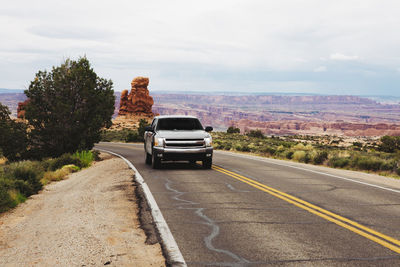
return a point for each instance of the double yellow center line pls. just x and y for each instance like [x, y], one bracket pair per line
[353, 226]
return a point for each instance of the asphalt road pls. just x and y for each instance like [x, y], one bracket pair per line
[247, 211]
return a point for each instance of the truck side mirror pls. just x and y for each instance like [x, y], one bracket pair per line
[209, 129]
[148, 129]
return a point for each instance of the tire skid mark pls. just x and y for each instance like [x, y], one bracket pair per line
[207, 221]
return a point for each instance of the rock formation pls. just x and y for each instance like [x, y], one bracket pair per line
[135, 105]
[138, 101]
[21, 109]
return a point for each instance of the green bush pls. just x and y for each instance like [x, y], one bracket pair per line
[133, 136]
[388, 165]
[25, 176]
[390, 143]
[256, 133]
[114, 135]
[320, 157]
[338, 162]
[268, 149]
[5, 199]
[317, 153]
[299, 156]
[289, 154]
[65, 159]
[232, 130]
[368, 163]
[85, 157]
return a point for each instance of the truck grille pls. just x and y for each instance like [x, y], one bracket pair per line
[184, 143]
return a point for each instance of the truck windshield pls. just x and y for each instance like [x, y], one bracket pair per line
[179, 124]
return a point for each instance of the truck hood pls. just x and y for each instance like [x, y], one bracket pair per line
[195, 134]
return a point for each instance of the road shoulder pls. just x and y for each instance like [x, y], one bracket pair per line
[89, 219]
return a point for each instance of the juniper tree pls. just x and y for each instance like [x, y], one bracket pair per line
[67, 108]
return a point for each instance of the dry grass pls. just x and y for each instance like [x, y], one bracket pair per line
[3, 161]
[58, 175]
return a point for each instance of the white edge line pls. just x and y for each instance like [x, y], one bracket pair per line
[169, 243]
[304, 169]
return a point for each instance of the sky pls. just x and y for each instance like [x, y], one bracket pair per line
[288, 46]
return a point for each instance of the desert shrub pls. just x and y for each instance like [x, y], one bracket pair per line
[299, 146]
[320, 157]
[388, 165]
[96, 155]
[268, 149]
[232, 130]
[133, 136]
[59, 174]
[338, 162]
[242, 147]
[390, 143]
[255, 133]
[85, 157]
[114, 135]
[141, 129]
[289, 154]
[299, 155]
[25, 176]
[65, 159]
[226, 145]
[368, 163]
[398, 171]
[5, 199]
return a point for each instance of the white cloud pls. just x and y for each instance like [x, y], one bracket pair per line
[320, 69]
[342, 57]
[124, 38]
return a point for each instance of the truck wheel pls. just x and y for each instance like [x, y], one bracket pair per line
[148, 158]
[156, 162]
[207, 163]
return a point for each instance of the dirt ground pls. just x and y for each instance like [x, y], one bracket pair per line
[88, 219]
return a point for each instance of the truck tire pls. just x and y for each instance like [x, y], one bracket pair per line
[207, 163]
[148, 158]
[156, 162]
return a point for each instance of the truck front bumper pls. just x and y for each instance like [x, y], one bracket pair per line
[189, 154]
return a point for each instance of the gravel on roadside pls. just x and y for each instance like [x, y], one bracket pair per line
[91, 218]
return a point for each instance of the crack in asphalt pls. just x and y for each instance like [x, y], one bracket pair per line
[231, 187]
[207, 221]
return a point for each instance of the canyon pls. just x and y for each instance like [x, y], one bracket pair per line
[272, 114]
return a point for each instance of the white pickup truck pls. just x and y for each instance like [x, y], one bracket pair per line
[177, 138]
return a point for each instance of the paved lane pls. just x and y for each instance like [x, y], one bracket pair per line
[223, 217]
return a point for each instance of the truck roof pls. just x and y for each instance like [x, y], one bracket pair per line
[175, 116]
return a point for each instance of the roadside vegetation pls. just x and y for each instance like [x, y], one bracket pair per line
[66, 109]
[19, 180]
[125, 135]
[382, 157]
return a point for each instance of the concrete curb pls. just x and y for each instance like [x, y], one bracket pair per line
[171, 249]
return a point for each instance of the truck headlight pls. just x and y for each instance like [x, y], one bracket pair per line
[208, 141]
[159, 142]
